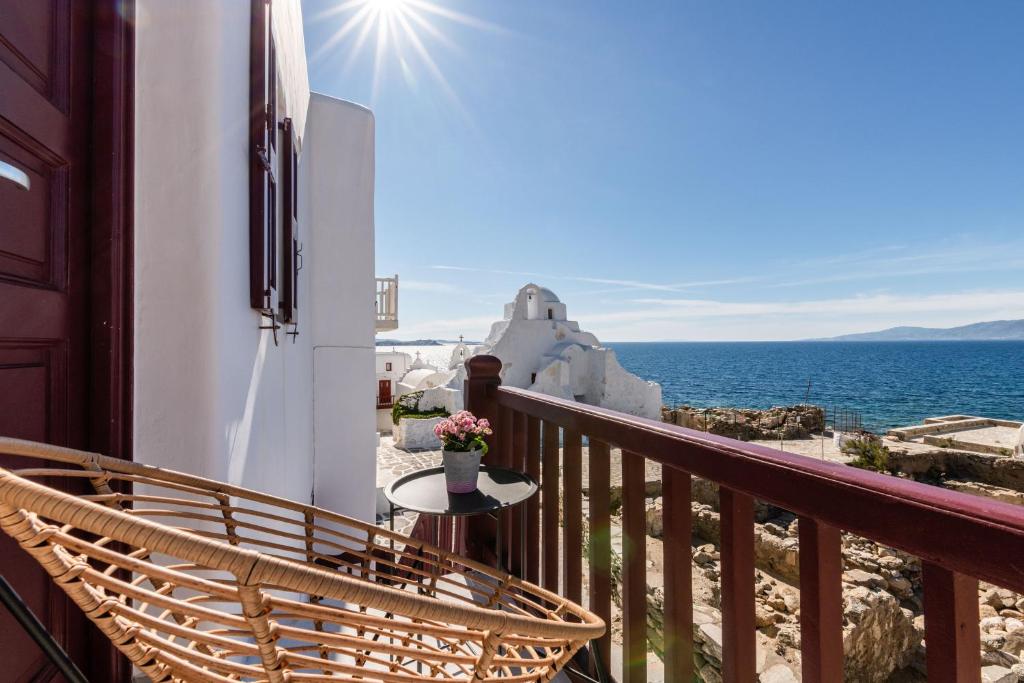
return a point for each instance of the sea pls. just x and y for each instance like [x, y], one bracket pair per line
[889, 383]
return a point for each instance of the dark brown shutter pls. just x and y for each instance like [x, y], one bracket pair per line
[262, 146]
[291, 260]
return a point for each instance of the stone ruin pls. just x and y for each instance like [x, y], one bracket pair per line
[883, 629]
[745, 424]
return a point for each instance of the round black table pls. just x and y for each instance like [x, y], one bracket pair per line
[497, 488]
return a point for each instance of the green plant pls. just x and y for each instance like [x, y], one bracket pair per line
[868, 454]
[408, 406]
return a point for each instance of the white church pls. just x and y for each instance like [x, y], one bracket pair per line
[541, 350]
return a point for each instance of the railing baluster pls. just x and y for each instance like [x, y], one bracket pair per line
[533, 504]
[952, 635]
[821, 601]
[601, 543]
[516, 563]
[634, 570]
[504, 432]
[572, 532]
[505, 458]
[549, 502]
[677, 540]
[738, 625]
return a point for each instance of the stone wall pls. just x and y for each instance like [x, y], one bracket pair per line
[413, 433]
[745, 424]
[935, 466]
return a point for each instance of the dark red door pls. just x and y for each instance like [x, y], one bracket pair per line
[45, 118]
[384, 392]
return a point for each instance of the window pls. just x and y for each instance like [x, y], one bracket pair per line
[551, 313]
[533, 378]
[291, 248]
[387, 367]
[263, 184]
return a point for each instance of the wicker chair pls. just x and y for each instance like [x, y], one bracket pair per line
[196, 580]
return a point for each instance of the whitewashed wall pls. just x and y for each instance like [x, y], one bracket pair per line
[213, 395]
[338, 171]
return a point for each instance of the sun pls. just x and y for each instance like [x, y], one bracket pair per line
[397, 27]
[386, 6]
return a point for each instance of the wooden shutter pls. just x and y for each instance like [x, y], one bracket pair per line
[291, 261]
[262, 159]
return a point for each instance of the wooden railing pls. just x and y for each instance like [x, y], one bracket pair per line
[959, 538]
[387, 303]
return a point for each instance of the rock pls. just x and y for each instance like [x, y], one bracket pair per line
[1013, 625]
[999, 658]
[879, 636]
[763, 617]
[788, 636]
[710, 674]
[890, 562]
[655, 518]
[780, 673]
[901, 586]
[991, 642]
[1014, 643]
[1007, 597]
[997, 674]
[986, 610]
[700, 617]
[703, 558]
[990, 623]
[863, 578]
[1000, 598]
[711, 637]
[1011, 613]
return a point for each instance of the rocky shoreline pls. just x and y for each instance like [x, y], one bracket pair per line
[883, 629]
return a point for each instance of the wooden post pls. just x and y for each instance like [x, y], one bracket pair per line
[550, 493]
[482, 377]
[738, 625]
[533, 504]
[951, 633]
[634, 570]
[601, 544]
[572, 530]
[677, 537]
[821, 601]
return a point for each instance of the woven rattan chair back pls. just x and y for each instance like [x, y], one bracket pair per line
[197, 580]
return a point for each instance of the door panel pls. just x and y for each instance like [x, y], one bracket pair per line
[45, 62]
[35, 45]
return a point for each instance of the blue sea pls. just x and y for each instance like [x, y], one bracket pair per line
[889, 383]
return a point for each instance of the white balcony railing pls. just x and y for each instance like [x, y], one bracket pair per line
[387, 304]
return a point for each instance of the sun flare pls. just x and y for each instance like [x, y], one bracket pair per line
[397, 28]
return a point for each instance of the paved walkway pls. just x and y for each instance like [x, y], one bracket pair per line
[392, 463]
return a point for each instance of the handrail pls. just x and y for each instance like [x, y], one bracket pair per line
[972, 535]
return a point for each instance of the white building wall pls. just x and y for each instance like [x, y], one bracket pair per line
[338, 169]
[213, 395]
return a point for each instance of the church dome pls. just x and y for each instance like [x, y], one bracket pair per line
[548, 297]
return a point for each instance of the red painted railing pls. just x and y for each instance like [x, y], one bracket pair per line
[959, 538]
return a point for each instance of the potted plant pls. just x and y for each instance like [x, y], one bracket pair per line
[462, 436]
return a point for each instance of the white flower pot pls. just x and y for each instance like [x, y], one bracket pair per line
[461, 469]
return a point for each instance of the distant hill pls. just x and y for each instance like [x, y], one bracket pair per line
[989, 331]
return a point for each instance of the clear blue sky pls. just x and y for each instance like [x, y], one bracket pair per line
[691, 170]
